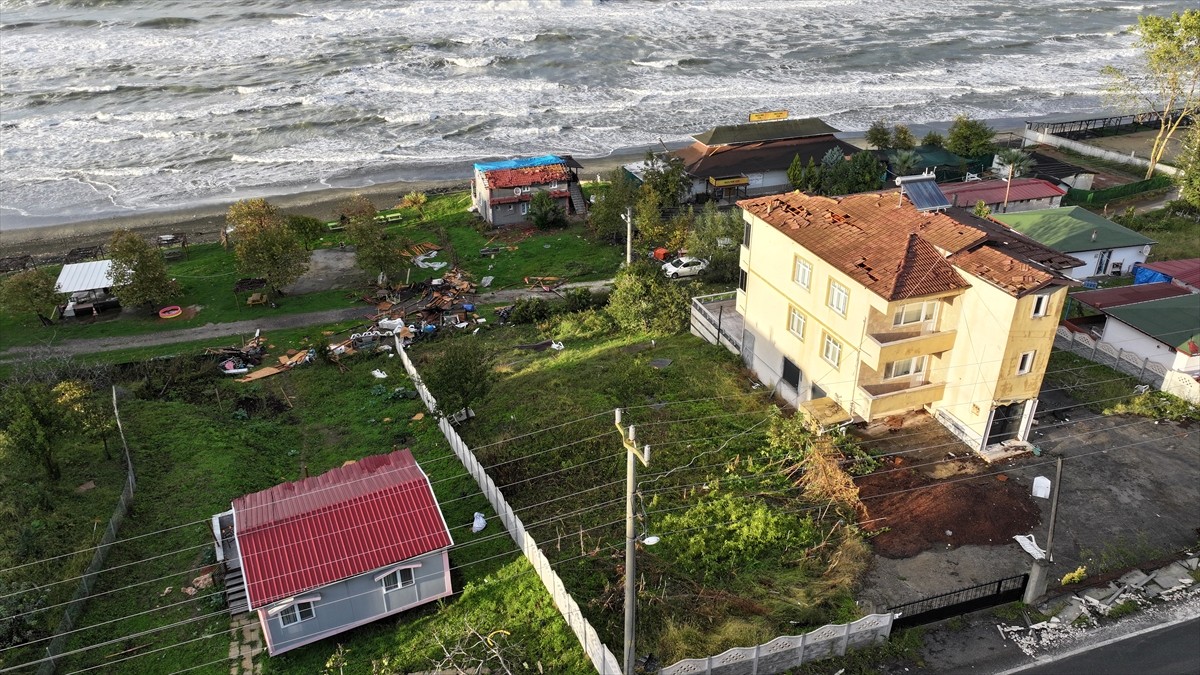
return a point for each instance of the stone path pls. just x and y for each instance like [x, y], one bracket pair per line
[246, 644]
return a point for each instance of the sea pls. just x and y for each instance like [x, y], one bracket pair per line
[111, 107]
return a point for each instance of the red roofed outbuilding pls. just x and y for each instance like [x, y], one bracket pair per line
[321, 555]
[1019, 194]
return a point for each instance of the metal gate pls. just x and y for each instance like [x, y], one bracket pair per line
[962, 601]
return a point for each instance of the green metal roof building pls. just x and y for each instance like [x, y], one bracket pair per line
[1105, 247]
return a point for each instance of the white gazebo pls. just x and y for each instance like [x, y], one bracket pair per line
[87, 282]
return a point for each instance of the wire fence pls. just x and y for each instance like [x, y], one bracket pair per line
[79, 600]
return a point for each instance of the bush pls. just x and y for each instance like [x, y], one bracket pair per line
[578, 300]
[585, 325]
[1158, 405]
[643, 301]
[530, 310]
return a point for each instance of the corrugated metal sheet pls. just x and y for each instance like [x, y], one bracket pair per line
[299, 536]
[1183, 271]
[1128, 295]
[85, 276]
[992, 191]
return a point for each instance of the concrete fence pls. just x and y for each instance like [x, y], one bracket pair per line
[1041, 137]
[1142, 368]
[601, 656]
[79, 600]
[789, 651]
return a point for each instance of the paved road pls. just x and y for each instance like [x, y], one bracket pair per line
[215, 331]
[1160, 651]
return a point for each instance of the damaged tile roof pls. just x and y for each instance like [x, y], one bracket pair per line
[897, 252]
[527, 176]
[728, 160]
[994, 191]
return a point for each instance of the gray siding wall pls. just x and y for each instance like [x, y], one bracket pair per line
[356, 601]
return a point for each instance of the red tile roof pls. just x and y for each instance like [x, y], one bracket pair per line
[1128, 295]
[525, 177]
[894, 250]
[1183, 271]
[992, 191]
[299, 536]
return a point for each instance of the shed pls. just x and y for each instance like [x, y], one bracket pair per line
[318, 556]
[85, 276]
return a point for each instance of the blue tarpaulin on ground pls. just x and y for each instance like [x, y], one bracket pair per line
[1145, 275]
[522, 163]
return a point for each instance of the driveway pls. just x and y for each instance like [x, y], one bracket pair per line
[1130, 492]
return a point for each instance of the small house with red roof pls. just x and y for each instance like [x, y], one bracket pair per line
[501, 191]
[1005, 196]
[319, 556]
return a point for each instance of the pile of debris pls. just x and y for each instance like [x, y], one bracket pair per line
[425, 307]
[239, 360]
[1085, 608]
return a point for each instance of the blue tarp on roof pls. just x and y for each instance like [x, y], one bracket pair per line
[1145, 275]
[522, 163]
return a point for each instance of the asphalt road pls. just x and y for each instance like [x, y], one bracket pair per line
[1174, 650]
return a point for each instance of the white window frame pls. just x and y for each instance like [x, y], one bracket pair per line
[524, 208]
[915, 366]
[1041, 303]
[394, 580]
[836, 292]
[926, 311]
[795, 317]
[294, 613]
[1025, 363]
[802, 273]
[831, 345]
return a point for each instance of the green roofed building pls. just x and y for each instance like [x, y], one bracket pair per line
[1107, 249]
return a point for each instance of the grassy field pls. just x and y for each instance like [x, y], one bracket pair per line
[198, 442]
[706, 426]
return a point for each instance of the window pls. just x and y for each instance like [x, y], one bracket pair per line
[1025, 365]
[524, 208]
[831, 351]
[917, 312]
[796, 322]
[296, 612]
[746, 234]
[791, 373]
[741, 279]
[398, 579]
[1040, 304]
[802, 274]
[510, 208]
[839, 297]
[904, 367]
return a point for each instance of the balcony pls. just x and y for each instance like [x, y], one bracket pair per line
[715, 318]
[890, 397]
[882, 348]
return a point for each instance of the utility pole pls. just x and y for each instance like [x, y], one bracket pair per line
[629, 440]
[628, 238]
[1038, 579]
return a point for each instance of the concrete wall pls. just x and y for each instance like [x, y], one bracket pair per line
[1026, 205]
[1038, 137]
[358, 600]
[1133, 340]
[1127, 256]
[1179, 383]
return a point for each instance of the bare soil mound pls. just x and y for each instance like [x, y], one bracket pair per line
[921, 514]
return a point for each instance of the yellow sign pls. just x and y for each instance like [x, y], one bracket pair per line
[731, 181]
[769, 115]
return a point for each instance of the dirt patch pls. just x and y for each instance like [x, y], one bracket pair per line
[923, 514]
[329, 268]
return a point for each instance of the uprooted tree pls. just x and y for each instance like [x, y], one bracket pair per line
[1166, 79]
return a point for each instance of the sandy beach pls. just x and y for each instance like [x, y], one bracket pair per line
[203, 224]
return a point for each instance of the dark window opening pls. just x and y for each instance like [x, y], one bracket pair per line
[791, 373]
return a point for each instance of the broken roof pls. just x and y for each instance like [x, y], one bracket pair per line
[84, 276]
[1184, 271]
[526, 176]
[302, 535]
[704, 161]
[752, 132]
[994, 191]
[897, 252]
[1072, 229]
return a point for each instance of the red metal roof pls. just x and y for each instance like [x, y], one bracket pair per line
[1183, 271]
[299, 536]
[528, 176]
[1128, 295]
[992, 191]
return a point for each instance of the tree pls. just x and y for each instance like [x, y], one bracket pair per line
[1013, 163]
[795, 173]
[833, 157]
[1167, 79]
[415, 200]
[982, 210]
[665, 174]
[306, 228]
[357, 208]
[31, 292]
[878, 135]
[904, 162]
[374, 250]
[139, 271]
[714, 237]
[970, 138]
[266, 247]
[607, 215]
[250, 213]
[461, 375]
[643, 301]
[85, 412]
[1188, 163]
[546, 213]
[934, 140]
[29, 424]
[811, 178]
[902, 138]
[647, 215]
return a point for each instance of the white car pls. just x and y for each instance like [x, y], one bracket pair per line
[684, 267]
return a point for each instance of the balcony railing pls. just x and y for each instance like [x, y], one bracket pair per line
[882, 348]
[715, 318]
[889, 397]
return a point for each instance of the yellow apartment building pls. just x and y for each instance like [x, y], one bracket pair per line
[861, 307]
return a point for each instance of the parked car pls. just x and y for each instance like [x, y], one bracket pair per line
[684, 267]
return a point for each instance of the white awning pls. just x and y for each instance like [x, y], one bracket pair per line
[84, 276]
